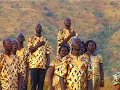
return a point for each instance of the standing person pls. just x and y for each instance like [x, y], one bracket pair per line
[22, 53]
[75, 69]
[14, 56]
[116, 81]
[39, 58]
[97, 66]
[8, 67]
[54, 80]
[65, 36]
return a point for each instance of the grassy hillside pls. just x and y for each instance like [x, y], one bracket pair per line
[93, 19]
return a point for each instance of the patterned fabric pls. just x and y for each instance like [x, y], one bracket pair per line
[76, 71]
[116, 79]
[62, 34]
[55, 63]
[9, 72]
[95, 62]
[38, 58]
[22, 55]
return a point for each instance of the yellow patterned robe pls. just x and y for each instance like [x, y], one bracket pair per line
[22, 54]
[76, 71]
[9, 72]
[56, 62]
[62, 34]
[38, 58]
[95, 62]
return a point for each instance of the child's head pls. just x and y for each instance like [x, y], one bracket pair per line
[82, 48]
[21, 37]
[64, 50]
[7, 44]
[91, 45]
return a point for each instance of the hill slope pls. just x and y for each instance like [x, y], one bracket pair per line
[93, 19]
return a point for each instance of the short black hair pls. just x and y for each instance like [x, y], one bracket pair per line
[64, 46]
[4, 40]
[88, 41]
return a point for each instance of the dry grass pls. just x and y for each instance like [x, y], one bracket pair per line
[108, 84]
[93, 19]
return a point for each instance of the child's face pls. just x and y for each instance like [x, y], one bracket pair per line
[15, 45]
[91, 46]
[8, 45]
[20, 38]
[82, 49]
[63, 52]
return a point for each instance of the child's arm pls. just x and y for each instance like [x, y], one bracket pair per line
[62, 84]
[50, 77]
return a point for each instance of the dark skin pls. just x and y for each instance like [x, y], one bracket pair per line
[7, 44]
[14, 50]
[76, 45]
[117, 87]
[38, 30]
[15, 47]
[92, 51]
[67, 23]
[63, 52]
[82, 49]
[21, 39]
[76, 52]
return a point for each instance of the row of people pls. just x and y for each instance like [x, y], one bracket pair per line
[76, 67]
[15, 69]
[13, 64]
[36, 58]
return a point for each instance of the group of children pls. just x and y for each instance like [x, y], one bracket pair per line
[76, 66]
[13, 65]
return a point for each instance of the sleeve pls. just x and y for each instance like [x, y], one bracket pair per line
[61, 69]
[48, 47]
[20, 69]
[60, 37]
[29, 42]
[1, 61]
[89, 71]
[100, 58]
[26, 55]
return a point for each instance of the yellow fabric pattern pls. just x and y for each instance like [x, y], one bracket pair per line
[95, 62]
[62, 34]
[22, 55]
[77, 71]
[55, 63]
[116, 79]
[38, 58]
[9, 72]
